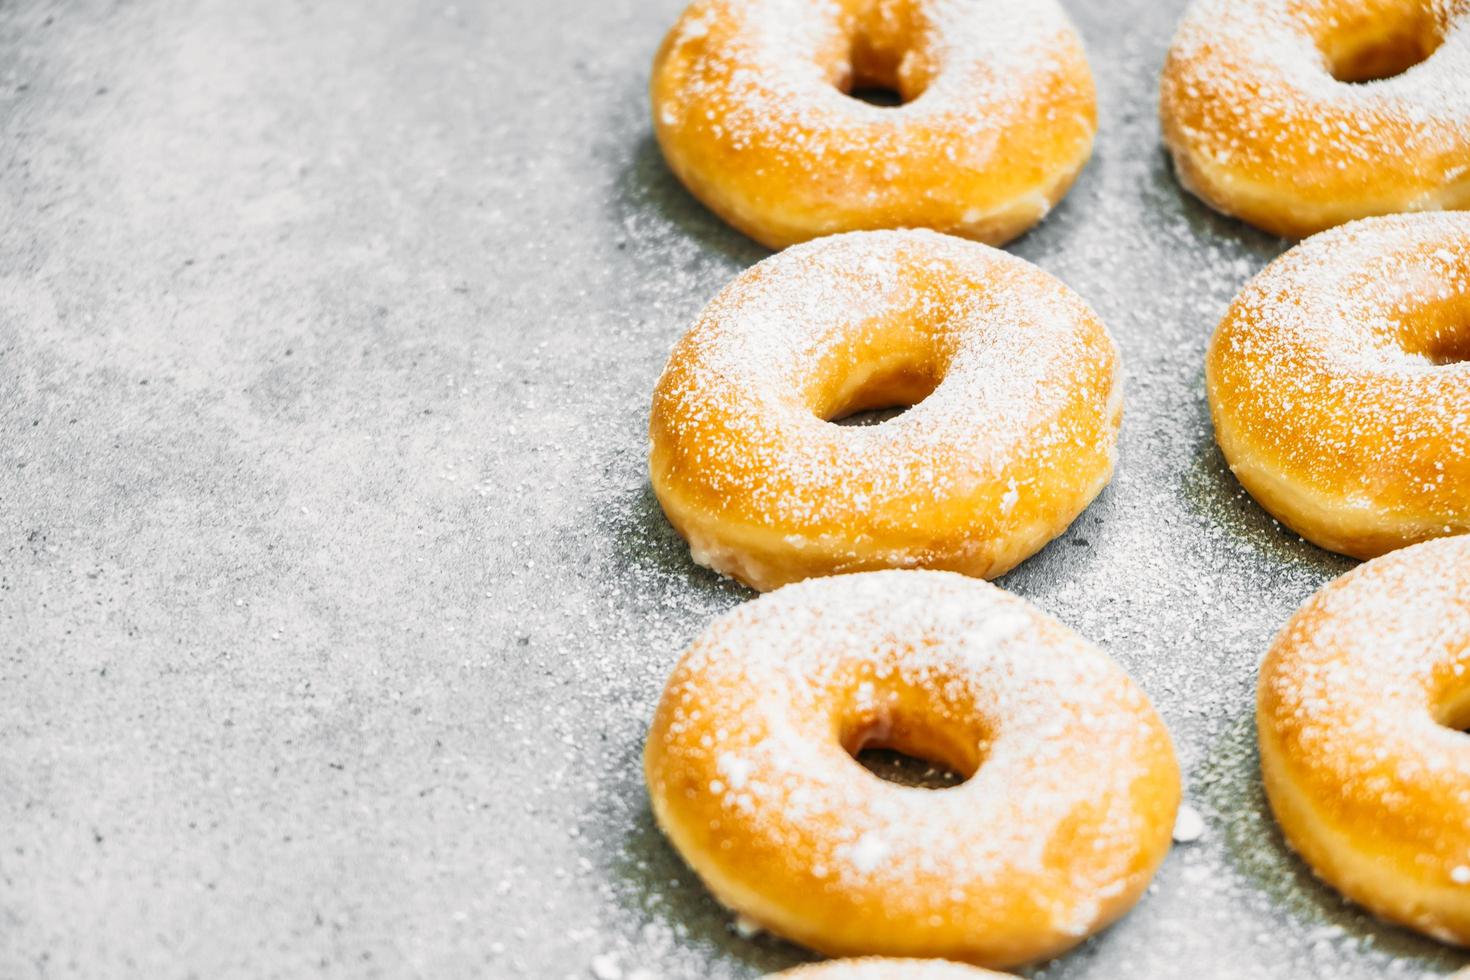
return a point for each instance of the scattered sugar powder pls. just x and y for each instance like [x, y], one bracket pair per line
[604, 966]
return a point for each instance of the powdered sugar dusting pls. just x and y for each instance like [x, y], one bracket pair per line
[1363, 690]
[1362, 668]
[1332, 362]
[1066, 739]
[1252, 89]
[760, 62]
[1027, 392]
[761, 83]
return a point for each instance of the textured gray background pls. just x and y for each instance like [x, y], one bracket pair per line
[333, 600]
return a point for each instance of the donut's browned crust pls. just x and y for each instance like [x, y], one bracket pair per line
[879, 968]
[1339, 382]
[1358, 708]
[750, 109]
[1015, 437]
[1273, 114]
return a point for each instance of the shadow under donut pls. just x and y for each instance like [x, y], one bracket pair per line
[1212, 491]
[1066, 556]
[1168, 194]
[645, 541]
[1230, 787]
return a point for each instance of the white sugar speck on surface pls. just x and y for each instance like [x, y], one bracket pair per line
[604, 966]
[1189, 826]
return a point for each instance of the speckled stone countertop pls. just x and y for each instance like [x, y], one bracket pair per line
[333, 599]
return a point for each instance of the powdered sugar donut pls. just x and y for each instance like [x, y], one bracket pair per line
[1066, 814]
[1278, 111]
[1018, 395]
[877, 968]
[1362, 704]
[750, 108]
[1340, 387]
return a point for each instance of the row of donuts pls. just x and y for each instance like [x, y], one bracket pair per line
[1294, 116]
[1338, 382]
[1072, 785]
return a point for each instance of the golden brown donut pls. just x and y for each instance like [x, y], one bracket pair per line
[1279, 111]
[1361, 709]
[878, 968]
[1065, 816]
[750, 108]
[1019, 401]
[1340, 387]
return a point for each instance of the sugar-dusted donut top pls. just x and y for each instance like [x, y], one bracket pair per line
[1343, 358]
[771, 73]
[1076, 778]
[1362, 689]
[1027, 377]
[1260, 77]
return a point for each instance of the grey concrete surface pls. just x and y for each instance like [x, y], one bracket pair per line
[333, 600]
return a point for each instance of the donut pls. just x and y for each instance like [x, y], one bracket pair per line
[877, 968]
[1298, 115]
[1340, 388]
[1361, 707]
[1065, 815]
[1018, 406]
[752, 110]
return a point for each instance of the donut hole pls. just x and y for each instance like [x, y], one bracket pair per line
[913, 750]
[1436, 330]
[877, 95]
[871, 416]
[877, 394]
[1453, 709]
[1450, 347]
[1372, 51]
[893, 766]
[874, 76]
[884, 67]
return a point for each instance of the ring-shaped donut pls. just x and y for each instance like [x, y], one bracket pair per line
[997, 120]
[1067, 812]
[1339, 382]
[1277, 111]
[1362, 705]
[1019, 402]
